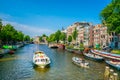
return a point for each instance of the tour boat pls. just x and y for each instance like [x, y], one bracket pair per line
[93, 56]
[80, 62]
[115, 64]
[41, 59]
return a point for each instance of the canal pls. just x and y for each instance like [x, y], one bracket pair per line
[19, 66]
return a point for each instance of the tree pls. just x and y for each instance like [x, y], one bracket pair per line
[44, 35]
[51, 38]
[40, 38]
[31, 39]
[8, 33]
[81, 46]
[57, 35]
[110, 16]
[20, 36]
[0, 24]
[69, 38]
[27, 38]
[0, 27]
[75, 34]
[63, 37]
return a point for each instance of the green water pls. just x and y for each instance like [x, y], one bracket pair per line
[19, 66]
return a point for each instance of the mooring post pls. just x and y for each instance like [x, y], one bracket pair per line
[111, 74]
[107, 73]
[115, 75]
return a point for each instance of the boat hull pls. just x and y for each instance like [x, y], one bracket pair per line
[41, 59]
[80, 64]
[113, 65]
[93, 58]
[70, 50]
[42, 65]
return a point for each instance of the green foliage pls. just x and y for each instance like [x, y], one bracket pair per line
[8, 34]
[44, 35]
[75, 34]
[81, 46]
[40, 38]
[115, 51]
[57, 35]
[63, 37]
[110, 16]
[31, 39]
[20, 36]
[51, 38]
[27, 38]
[69, 38]
[0, 24]
[70, 47]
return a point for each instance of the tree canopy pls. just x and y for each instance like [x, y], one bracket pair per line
[57, 35]
[63, 37]
[8, 34]
[27, 38]
[69, 38]
[51, 38]
[110, 16]
[75, 34]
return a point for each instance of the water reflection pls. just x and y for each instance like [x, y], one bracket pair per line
[41, 70]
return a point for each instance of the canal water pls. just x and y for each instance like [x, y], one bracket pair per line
[19, 66]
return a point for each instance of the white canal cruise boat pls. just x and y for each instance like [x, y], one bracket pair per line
[41, 59]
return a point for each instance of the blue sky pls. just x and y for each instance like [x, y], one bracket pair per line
[35, 17]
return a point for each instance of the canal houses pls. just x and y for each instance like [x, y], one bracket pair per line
[91, 35]
[114, 40]
[70, 30]
[83, 33]
[36, 40]
[100, 35]
[83, 29]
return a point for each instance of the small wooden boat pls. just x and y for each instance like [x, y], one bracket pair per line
[115, 64]
[41, 59]
[93, 56]
[80, 62]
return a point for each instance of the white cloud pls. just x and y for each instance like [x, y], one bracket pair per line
[29, 30]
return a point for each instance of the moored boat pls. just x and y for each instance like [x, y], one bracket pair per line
[93, 56]
[54, 46]
[41, 59]
[106, 54]
[115, 64]
[11, 52]
[80, 62]
[69, 50]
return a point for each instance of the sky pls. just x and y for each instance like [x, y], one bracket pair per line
[37, 17]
